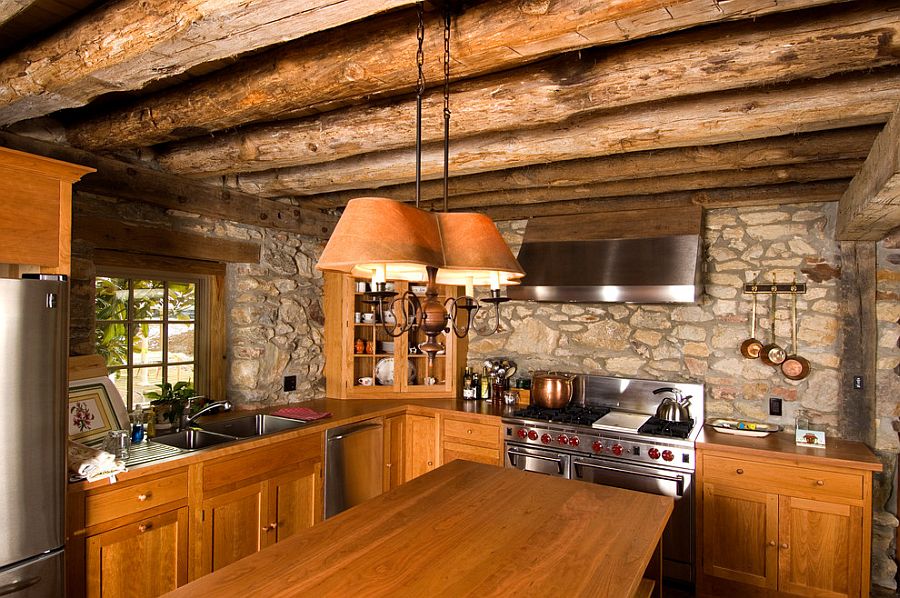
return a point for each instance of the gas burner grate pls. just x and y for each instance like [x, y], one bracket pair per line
[584, 416]
[660, 427]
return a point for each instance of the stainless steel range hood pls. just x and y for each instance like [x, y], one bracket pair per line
[639, 256]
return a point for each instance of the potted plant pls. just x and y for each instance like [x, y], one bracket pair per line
[170, 402]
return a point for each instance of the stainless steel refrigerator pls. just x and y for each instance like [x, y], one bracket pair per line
[33, 354]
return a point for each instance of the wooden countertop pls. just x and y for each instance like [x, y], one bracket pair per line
[781, 445]
[464, 529]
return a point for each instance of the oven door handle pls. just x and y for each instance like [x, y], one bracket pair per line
[513, 454]
[679, 480]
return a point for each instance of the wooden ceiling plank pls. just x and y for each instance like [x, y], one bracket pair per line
[126, 181]
[838, 144]
[376, 59]
[870, 209]
[858, 38]
[766, 195]
[708, 120]
[125, 45]
[12, 8]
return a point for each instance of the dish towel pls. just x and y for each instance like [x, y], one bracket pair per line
[91, 463]
[301, 413]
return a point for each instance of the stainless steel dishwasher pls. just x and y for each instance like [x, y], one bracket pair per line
[354, 465]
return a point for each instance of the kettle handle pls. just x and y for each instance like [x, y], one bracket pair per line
[666, 389]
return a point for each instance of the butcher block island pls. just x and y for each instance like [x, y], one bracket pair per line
[465, 529]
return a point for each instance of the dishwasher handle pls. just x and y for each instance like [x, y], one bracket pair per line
[354, 430]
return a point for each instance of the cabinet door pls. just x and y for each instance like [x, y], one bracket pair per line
[421, 445]
[294, 501]
[740, 531]
[820, 548]
[393, 452]
[234, 525]
[143, 559]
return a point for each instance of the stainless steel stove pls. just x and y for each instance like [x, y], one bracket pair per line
[631, 449]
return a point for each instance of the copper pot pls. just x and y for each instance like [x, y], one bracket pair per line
[552, 390]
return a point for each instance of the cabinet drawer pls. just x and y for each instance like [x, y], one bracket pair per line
[783, 479]
[478, 454]
[112, 504]
[472, 432]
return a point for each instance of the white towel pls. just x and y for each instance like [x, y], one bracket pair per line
[91, 463]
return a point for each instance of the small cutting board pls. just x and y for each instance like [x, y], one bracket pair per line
[620, 421]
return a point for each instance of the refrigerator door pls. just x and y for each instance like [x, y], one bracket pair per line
[41, 577]
[33, 346]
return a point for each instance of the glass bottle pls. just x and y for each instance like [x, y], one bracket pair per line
[468, 390]
[485, 384]
[476, 385]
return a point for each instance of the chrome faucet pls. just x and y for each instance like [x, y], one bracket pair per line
[187, 418]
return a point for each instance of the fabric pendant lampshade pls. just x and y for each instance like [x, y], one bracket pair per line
[474, 252]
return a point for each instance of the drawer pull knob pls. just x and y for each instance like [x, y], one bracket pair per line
[144, 527]
[739, 471]
[784, 546]
[820, 482]
[771, 542]
[143, 497]
[270, 527]
[468, 431]
[430, 464]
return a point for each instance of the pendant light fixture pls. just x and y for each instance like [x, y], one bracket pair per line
[382, 239]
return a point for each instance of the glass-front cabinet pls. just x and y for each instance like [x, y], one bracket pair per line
[362, 360]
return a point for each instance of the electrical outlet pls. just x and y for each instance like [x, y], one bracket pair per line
[857, 382]
[774, 406]
[290, 383]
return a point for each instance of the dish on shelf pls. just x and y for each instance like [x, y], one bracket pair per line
[384, 371]
[742, 427]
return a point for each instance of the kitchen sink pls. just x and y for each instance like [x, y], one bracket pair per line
[193, 439]
[252, 425]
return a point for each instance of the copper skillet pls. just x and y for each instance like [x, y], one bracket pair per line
[751, 347]
[794, 367]
[772, 354]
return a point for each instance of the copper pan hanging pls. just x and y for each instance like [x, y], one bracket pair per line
[794, 367]
[751, 347]
[772, 354]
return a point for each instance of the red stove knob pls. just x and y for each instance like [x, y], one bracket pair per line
[546, 439]
[574, 441]
[532, 435]
[653, 453]
[597, 446]
[667, 455]
[562, 439]
[522, 433]
[617, 450]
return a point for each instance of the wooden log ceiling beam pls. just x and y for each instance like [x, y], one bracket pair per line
[118, 179]
[690, 63]
[125, 45]
[711, 119]
[10, 8]
[753, 177]
[375, 58]
[870, 209]
[766, 195]
[839, 144]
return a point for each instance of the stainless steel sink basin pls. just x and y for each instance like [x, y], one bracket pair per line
[252, 425]
[193, 439]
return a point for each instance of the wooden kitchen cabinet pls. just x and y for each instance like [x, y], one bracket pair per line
[782, 526]
[36, 212]
[346, 366]
[253, 499]
[394, 450]
[421, 445]
[470, 437]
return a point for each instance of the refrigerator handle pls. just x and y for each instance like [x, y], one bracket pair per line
[18, 585]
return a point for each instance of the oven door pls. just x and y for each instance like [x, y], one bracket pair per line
[678, 538]
[544, 461]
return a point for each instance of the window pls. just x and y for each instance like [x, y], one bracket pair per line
[151, 330]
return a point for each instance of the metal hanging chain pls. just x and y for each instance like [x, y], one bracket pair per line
[420, 89]
[446, 105]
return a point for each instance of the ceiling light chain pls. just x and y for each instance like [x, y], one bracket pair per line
[420, 90]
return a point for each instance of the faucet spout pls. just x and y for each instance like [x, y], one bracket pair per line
[189, 417]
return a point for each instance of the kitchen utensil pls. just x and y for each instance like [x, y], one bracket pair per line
[117, 443]
[511, 369]
[751, 347]
[552, 390]
[674, 408]
[772, 354]
[794, 367]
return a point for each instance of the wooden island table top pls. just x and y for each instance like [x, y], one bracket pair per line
[464, 529]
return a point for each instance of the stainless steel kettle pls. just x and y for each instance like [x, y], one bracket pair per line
[674, 408]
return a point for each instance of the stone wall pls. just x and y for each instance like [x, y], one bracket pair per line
[274, 308]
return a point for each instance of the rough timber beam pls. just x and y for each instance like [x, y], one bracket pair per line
[10, 8]
[870, 209]
[767, 195]
[705, 120]
[125, 45]
[118, 179]
[839, 144]
[736, 56]
[376, 58]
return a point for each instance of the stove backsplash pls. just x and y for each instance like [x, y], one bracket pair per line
[631, 394]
